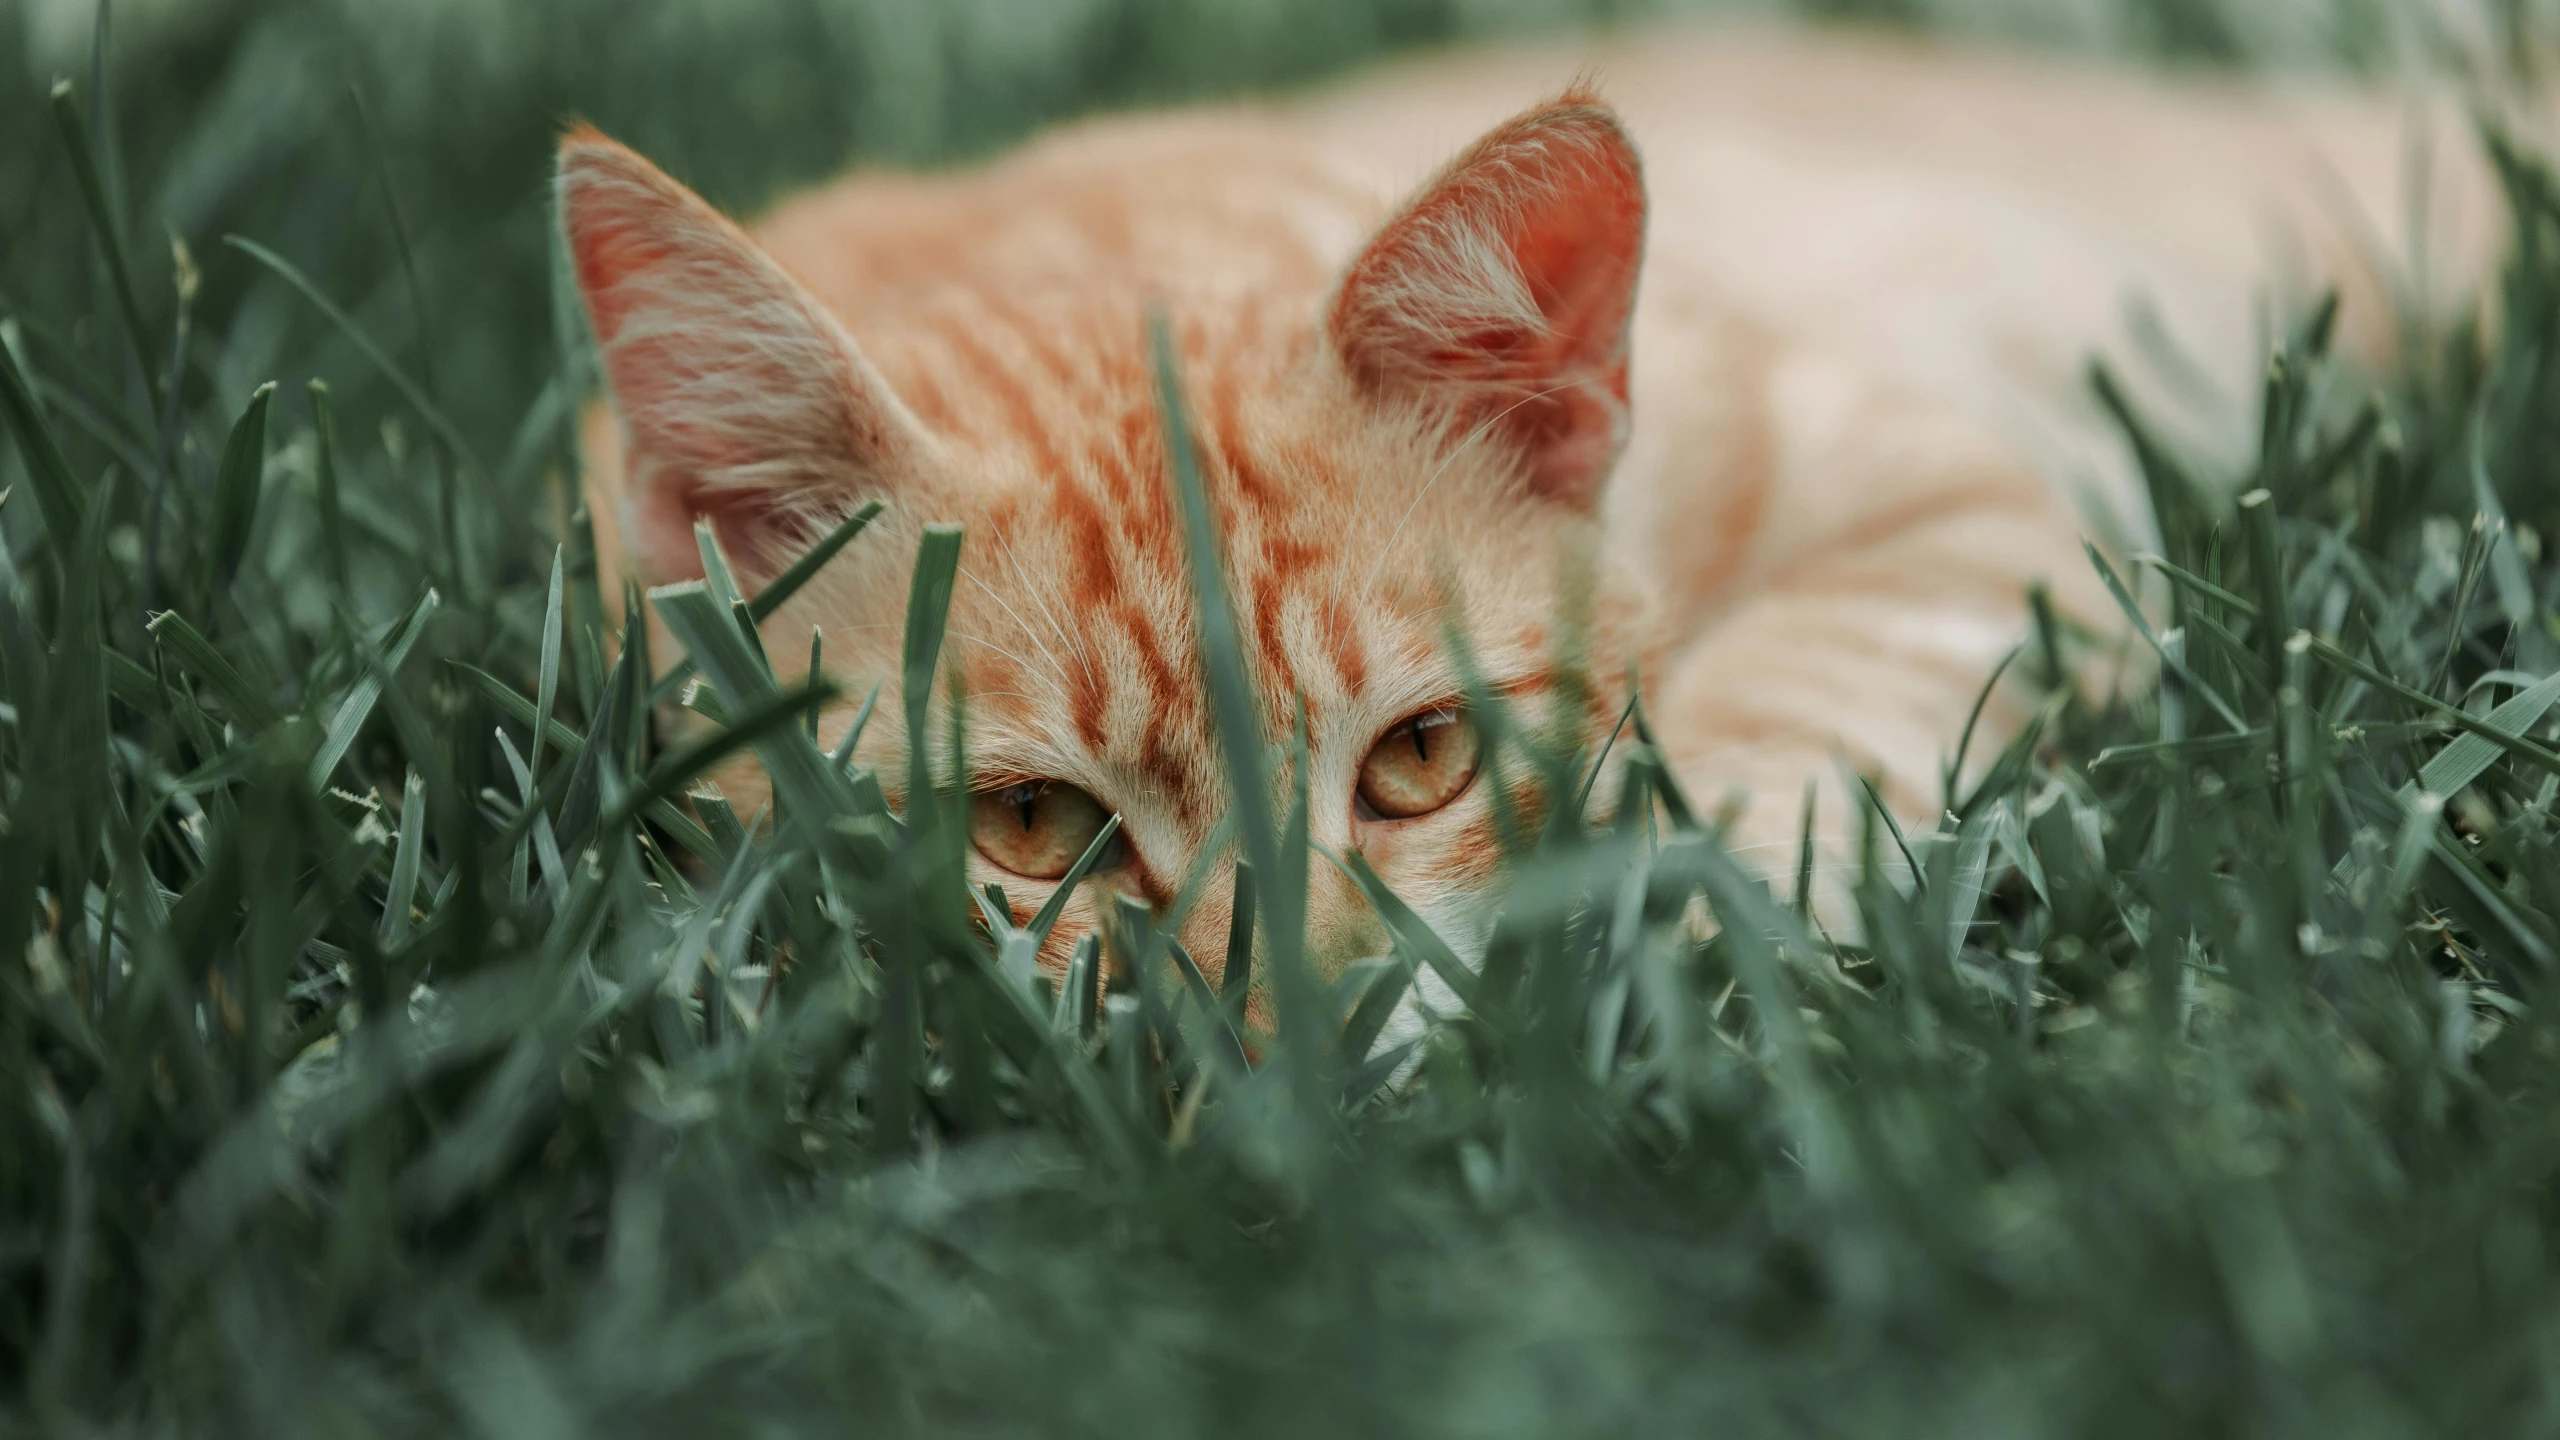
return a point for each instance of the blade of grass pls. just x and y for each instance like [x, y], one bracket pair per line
[110, 236]
[772, 715]
[1373, 1073]
[571, 745]
[928, 612]
[333, 518]
[817, 668]
[409, 389]
[1370, 1014]
[240, 485]
[400, 245]
[2513, 744]
[2142, 626]
[2187, 580]
[1230, 1046]
[2267, 571]
[1805, 853]
[1893, 827]
[583, 803]
[402, 895]
[1600, 762]
[1046, 919]
[367, 689]
[843, 753]
[1675, 801]
[1080, 998]
[197, 654]
[1972, 718]
[772, 597]
[57, 493]
[1409, 930]
[710, 633]
[1235, 979]
[2467, 757]
[787, 584]
[547, 679]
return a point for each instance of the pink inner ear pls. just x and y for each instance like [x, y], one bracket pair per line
[743, 402]
[1503, 294]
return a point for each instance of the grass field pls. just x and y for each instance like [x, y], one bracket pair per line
[381, 1052]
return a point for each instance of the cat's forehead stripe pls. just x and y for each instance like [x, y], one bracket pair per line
[1061, 366]
[1015, 408]
[1350, 656]
[1139, 449]
[1283, 561]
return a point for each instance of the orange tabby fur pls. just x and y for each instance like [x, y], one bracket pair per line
[1846, 446]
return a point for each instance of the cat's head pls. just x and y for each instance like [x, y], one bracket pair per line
[1411, 443]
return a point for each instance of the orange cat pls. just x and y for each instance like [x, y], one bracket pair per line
[1809, 466]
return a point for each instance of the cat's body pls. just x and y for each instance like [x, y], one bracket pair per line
[1850, 437]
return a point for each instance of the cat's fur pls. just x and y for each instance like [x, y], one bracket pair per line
[1806, 514]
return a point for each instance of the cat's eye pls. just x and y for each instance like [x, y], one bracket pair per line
[1036, 828]
[1420, 765]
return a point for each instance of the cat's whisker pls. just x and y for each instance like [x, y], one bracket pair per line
[1478, 433]
[1056, 669]
[991, 645]
[1023, 580]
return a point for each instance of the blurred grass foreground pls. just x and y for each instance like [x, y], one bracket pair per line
[382, 1053]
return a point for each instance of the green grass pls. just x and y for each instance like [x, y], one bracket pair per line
[381, 1052]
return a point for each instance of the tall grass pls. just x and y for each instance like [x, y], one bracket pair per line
[383, 1048]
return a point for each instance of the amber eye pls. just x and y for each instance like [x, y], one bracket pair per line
[1035, 829]
[1420, 765]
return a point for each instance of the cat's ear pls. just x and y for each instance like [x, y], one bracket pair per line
[1501, 295]
[743, 401]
